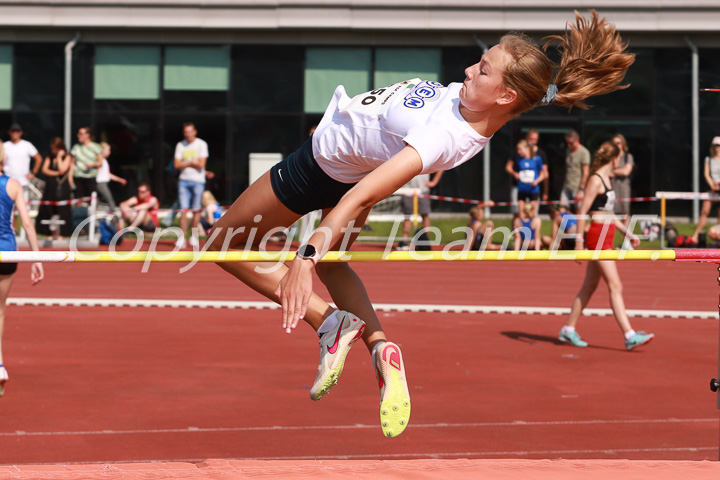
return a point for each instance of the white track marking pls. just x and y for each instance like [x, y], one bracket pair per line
[543, 454]
[281, 428]
[388, 307]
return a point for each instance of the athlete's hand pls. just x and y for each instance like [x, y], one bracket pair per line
[634, 239]
[294, 291]
[36, 273]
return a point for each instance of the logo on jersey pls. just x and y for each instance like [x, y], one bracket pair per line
[425, 91]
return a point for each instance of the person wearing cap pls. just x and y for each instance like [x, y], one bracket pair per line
[712, 177]
[18, 153]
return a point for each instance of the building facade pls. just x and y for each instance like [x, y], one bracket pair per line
[255, 76]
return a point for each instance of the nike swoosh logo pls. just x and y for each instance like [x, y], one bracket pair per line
[280, 174]
[334, 346]
[391, 355]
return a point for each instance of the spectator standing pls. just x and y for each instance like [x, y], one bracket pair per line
[423, 183]
[510, 170]
[104, 176]
[577, 166]
[533, 138]
[88, 158]
[58, 170]
[140, 211]
[18, 153]
[712, 177]
[529, 173]
[620, 177]
[191, 156]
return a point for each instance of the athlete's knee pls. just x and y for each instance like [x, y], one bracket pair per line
[615, 286]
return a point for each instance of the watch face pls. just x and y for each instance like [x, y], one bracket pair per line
[306, 251]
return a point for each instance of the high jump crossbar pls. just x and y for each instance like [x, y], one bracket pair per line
[693, 255]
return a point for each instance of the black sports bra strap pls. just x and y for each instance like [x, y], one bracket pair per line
[603, 182]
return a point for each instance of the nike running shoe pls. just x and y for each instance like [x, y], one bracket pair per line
[3, 378]
[572, 338]
[640, 338]
[394, 395]
[334, 347]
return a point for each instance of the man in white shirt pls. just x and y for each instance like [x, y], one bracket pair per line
[18, 153]
[191, 157]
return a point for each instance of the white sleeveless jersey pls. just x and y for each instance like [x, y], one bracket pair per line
[357, 135]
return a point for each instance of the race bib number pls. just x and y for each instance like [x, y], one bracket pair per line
[527, 176]
[376, 102]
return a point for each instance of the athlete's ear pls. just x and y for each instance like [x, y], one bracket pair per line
[507, 97]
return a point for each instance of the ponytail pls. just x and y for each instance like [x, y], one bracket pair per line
[607, 152]
[593, 62]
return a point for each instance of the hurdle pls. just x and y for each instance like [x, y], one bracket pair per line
[697, 255]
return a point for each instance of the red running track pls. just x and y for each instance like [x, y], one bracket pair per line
[92, 384]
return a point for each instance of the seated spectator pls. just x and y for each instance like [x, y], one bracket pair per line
[479, 230]
[527, 228]
[58, 171]
[563, 222]
[212, 211]
[140, 211]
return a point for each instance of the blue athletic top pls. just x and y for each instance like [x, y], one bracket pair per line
[7, 233]
[527, 225]
[529, 170]
[217, 213]
[477, 241]
[569, 223]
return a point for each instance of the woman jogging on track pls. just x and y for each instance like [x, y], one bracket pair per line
[11, 195]
[599, 204]
[368, 146]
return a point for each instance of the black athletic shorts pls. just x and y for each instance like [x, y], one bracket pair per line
[302, 186]
[527, 197]
[8, 268]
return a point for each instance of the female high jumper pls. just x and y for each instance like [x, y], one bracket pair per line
[367, 147]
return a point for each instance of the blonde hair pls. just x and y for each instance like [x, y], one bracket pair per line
[607, 152]
[593, 62]
[104, 145]
[623, 140]
[529, 210]
[476, 212]
[208, 198]
[531, 148]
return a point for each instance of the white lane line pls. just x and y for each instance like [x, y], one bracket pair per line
[388, 307]
[281, 428]
[542, 454]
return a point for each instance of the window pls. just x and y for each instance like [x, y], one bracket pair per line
[326, 68]
[394, 65]
[197, 68]
[127, 73]
[6, 62]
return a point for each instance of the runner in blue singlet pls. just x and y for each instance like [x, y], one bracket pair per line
[11, 194]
